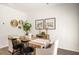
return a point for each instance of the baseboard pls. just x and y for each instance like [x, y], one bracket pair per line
[3, 46]
[70, 49]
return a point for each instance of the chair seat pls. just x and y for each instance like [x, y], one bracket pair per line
[20, 46]
[28, 50]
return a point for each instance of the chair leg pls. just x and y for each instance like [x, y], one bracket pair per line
[13, 52]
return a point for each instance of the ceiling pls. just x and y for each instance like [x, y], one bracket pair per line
[32, 7]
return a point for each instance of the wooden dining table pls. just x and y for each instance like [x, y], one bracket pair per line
[28, 42]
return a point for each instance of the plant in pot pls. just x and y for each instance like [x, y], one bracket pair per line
[26, 27]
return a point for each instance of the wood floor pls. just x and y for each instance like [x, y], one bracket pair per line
[4, 51]
[66, 52]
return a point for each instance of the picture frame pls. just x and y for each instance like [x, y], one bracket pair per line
[14, 23]
[20, 22]
[39, 24]
[50, 23]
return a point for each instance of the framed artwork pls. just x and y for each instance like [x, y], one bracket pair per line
[39, 24]
[50, 23]
[21, 22]
[14, 23]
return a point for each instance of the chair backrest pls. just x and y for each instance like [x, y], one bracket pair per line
[14, 42]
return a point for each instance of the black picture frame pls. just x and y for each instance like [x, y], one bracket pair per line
[39, 24]
[50, 23]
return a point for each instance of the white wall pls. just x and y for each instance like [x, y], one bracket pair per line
[66, 24]
[6, 15]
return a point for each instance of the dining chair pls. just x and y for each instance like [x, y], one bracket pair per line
[48, 51]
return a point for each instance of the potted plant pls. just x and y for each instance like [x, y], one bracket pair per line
[26, 27]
